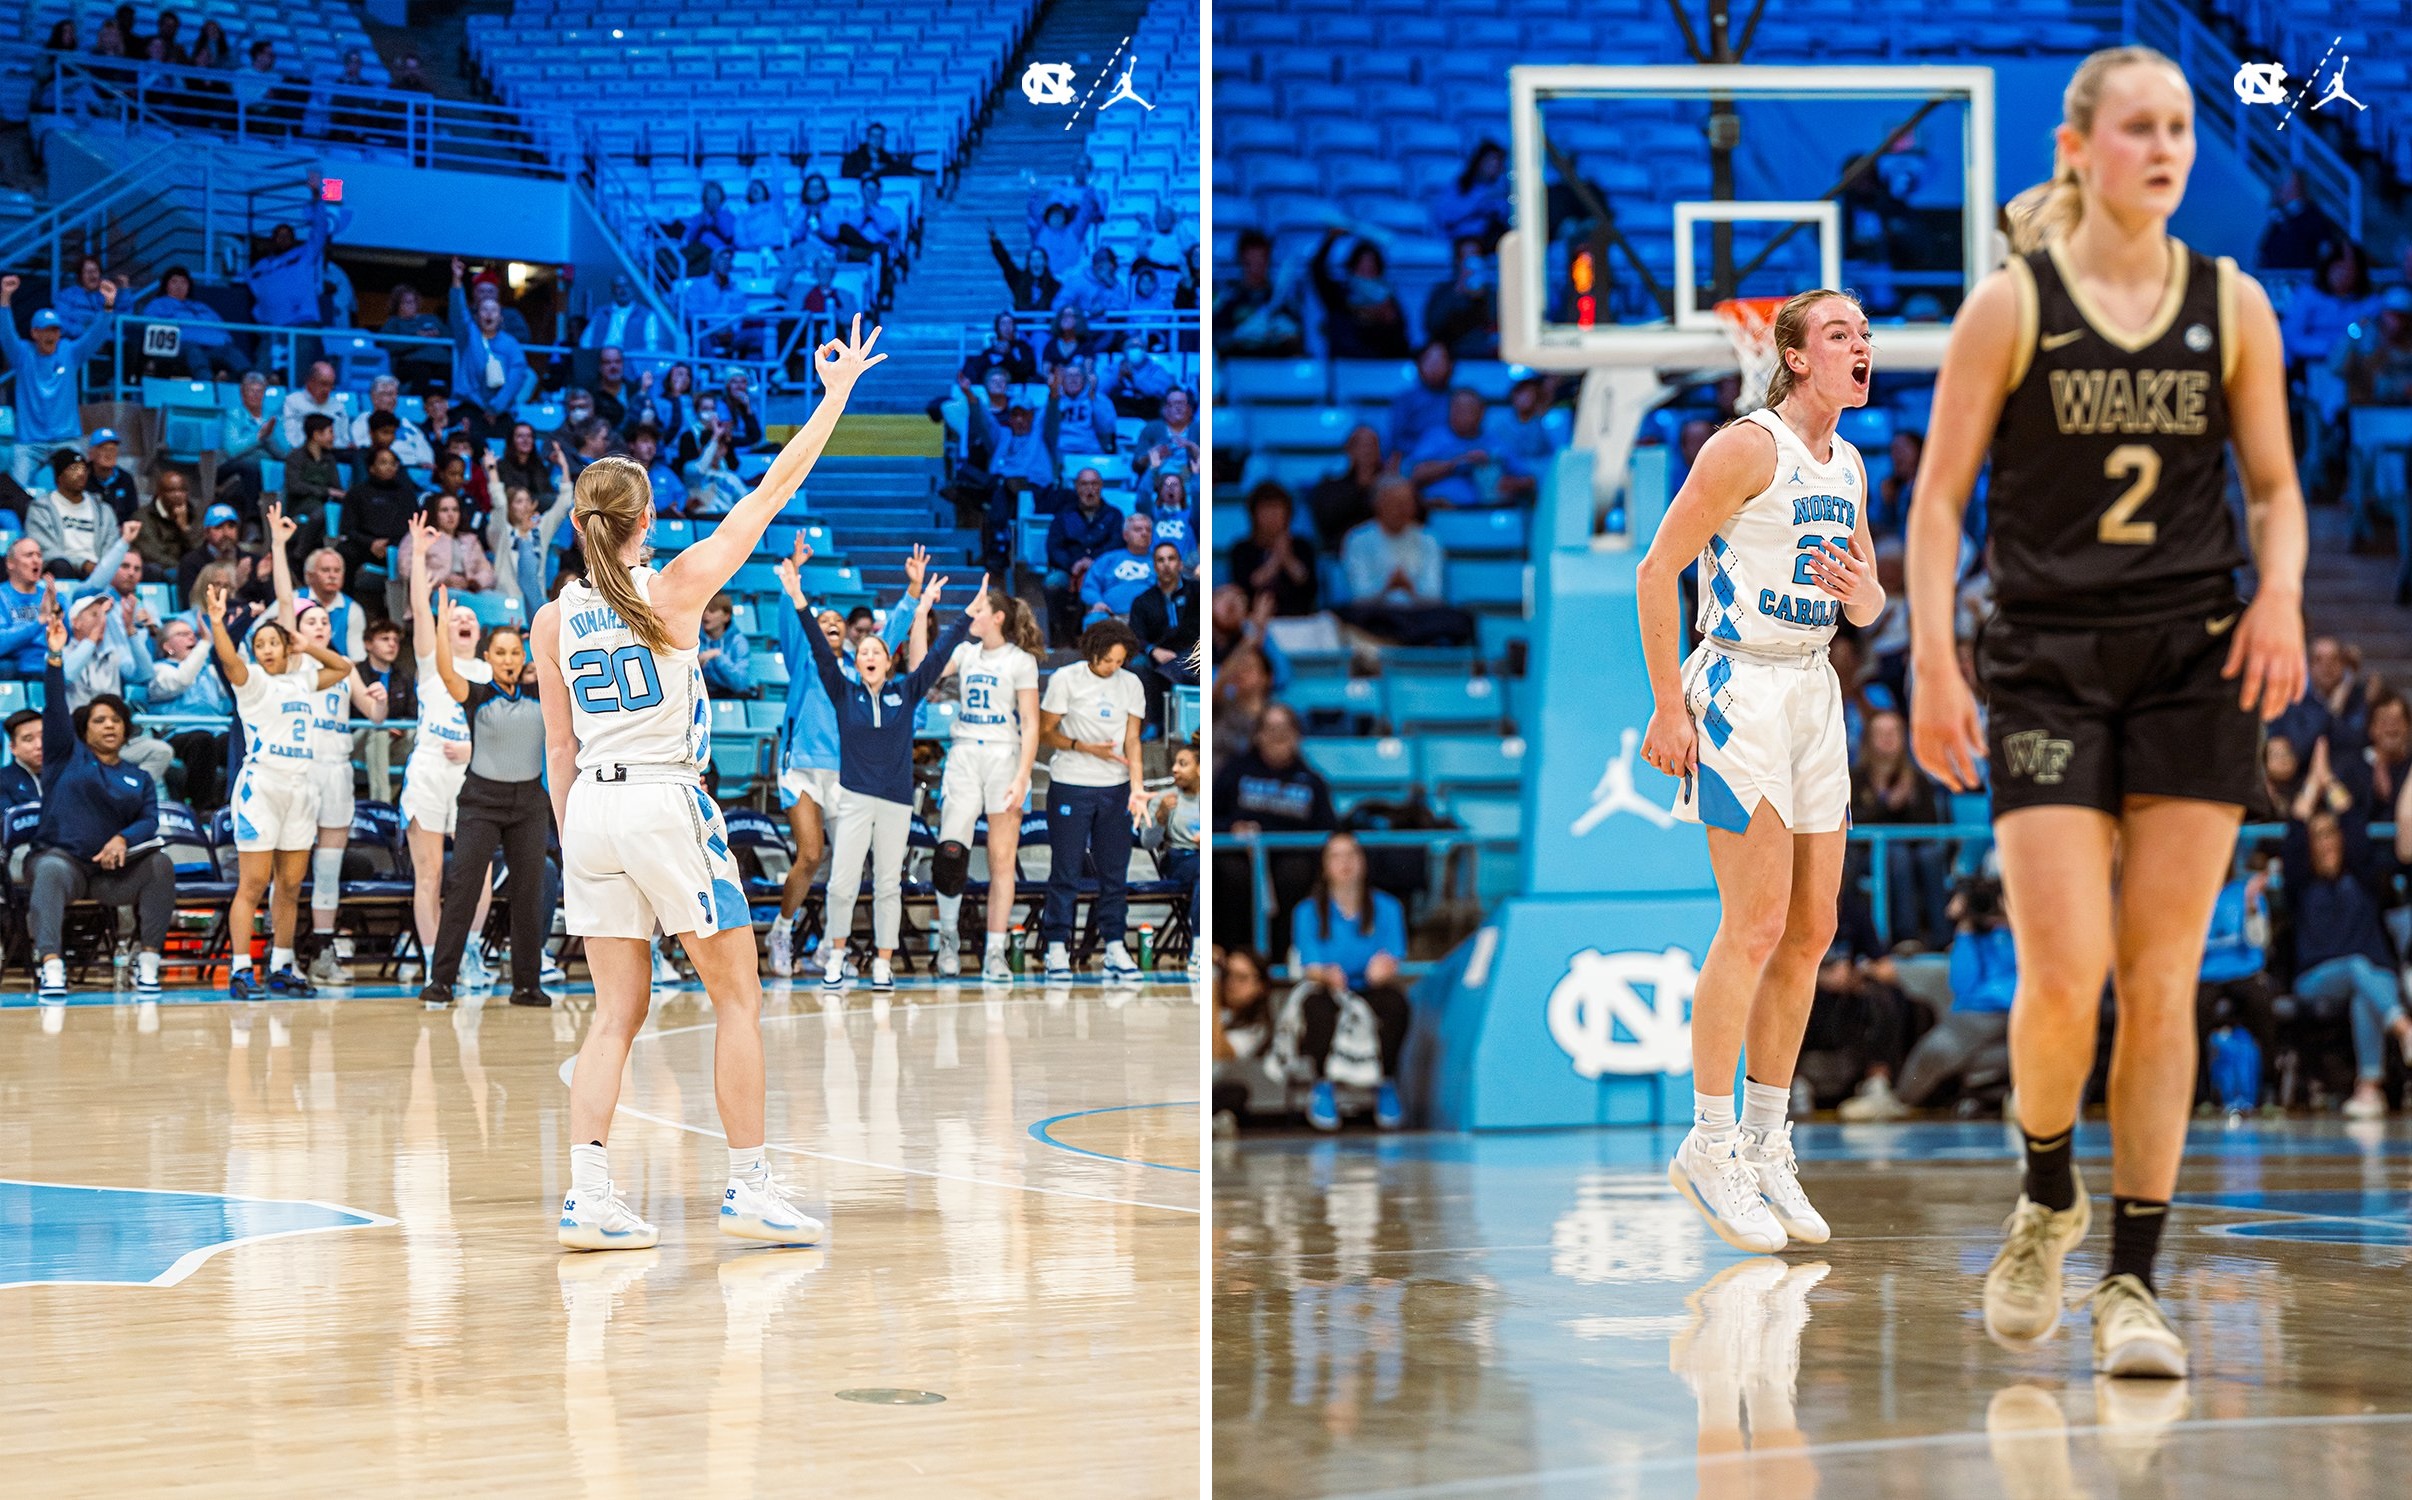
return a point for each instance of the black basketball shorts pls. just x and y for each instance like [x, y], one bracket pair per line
[2089, 716]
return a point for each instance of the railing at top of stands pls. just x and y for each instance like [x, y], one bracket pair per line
[350, 340]
[1257, 848]
[274, 110]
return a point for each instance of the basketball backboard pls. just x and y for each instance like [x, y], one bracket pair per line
[1646, 195]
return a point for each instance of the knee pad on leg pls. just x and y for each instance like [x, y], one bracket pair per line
[951, 868]
[326, 879]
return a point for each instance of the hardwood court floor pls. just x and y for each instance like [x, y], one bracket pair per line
[1012, 1186]
[1540, 1316]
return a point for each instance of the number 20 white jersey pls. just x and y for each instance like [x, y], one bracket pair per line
[629, 704]
[1755, 589]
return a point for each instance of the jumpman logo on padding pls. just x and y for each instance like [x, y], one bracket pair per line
[1615, 793]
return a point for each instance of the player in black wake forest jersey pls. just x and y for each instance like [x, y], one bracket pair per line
[2106, 369]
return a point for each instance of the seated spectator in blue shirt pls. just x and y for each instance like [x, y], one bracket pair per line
[1079, 417]
[1525, 431]
[1115, 581]
[1424, 406]
[1349, 939]
[1476, 207]
[728, 670]
[99, 834]
[490, 374]
[873, 228]
[1175, 518]
[1096, 291]
[285, 280]
[669, 491]
[81, 303]
[21, 778]
[1984, 975]
[21, 612]
[713, 228]
[717, 302]
[1081, 533]
[1453, 465]
[628, 325]
[1395, 574]
[203, 346]
[818, 216]
[2344, 963]
[1170, 442]
[761, 223]
[420, 365]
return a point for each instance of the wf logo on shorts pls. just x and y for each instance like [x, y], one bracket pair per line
[1598, 1017]
[2031, 755]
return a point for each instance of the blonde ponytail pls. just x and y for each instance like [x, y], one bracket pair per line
[2050, 210]
[613, 506]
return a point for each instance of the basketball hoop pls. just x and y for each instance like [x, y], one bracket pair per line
[1750, 325]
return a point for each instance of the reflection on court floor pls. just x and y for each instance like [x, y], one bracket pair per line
[1539, 1316]
[300, 1248]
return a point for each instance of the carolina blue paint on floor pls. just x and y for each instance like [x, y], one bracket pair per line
[69, 1233]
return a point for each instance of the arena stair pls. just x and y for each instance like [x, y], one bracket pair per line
[955, 282]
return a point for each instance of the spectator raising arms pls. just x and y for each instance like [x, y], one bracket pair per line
[286, 278]
[1033, 285]
[1361, 315]
[99, 834]
[49, 370]
[490, 374]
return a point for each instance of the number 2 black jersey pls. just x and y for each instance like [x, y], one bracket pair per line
[2110, 463]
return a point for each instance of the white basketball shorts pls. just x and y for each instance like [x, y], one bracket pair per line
[431, 791]
[1769, 731]
[820, 787]
[334, 778]
[979, 776]
[641, 853]
[275, 808]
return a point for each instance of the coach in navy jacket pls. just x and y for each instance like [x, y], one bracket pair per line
[99, 835]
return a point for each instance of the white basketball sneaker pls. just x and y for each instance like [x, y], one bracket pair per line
[782, 955]
[604, 1222]
[2022, 1286]
[883, 975]
[2132, 1335]
[1120, 967]
[1770, 1156]
[763, 1211]
[995, 968]
[950, 954]
[1725, 1188]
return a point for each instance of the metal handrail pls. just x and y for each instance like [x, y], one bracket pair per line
[1440, 842]
[425, 130]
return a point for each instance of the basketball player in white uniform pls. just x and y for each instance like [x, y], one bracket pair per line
[626, 729]
[988, 771]
[275, 795]
[438, 765]
[331, 755]
[1752, 726]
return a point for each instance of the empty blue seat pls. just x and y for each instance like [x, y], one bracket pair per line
[1271, 380]
[1361, 764]
[1323, 428]
[1473, 761]
[1416, 700]
[1346, 695]
[1370, 380]
[1477, 583]
[1464, 533]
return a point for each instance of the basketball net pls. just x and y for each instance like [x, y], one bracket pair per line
[1750, 325]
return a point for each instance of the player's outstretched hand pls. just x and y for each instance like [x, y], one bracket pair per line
[1672, 743]
[1945, 733]
[841, 362]
[2268, 655]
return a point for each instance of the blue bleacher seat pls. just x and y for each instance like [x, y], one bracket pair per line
[1472, 761]
[1341, 695]
[1472, 533]
[1272, 380]
[1413, 699]
[1476, 583]
[1376, 381]
[1322, 428]
[1362, 764]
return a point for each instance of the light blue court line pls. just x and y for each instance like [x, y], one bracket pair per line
[78, 1234]
[1038, 1132]
[496, 997]
[569, 1065]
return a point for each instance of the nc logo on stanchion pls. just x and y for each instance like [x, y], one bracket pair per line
[1598, 1017]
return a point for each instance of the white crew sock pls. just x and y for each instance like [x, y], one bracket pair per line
[326, 888]
[781, 925]
[1763, 1106]
[590, 1170]
[1713, 1116]
[746, 1165]
[950, 913]
[242, 960]
[996, 942]
[280, 958]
